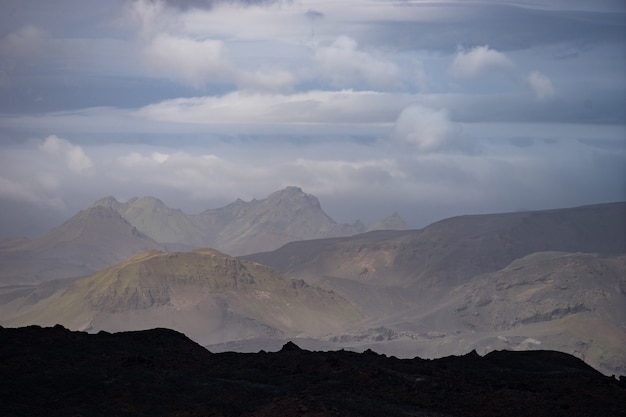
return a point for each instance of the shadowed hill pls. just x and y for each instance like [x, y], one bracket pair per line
[451, 251]
[55, 372]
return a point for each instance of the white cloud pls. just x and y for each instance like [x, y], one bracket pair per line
[427, 130]
[75, 157]
[205, 176]
[160, 157]
[152, 16]
[477, 61]
[265, 79]
[195, 61]
[541, 85]
[332, 107]
[346, 65]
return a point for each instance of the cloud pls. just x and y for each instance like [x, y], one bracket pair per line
[208, 4]
[427, 130]
[205, 176]
[20, 51]
[265, 79]
[314, 15]
[346, 65]
[186, 44]
[314, 107]
[478, 61]
[13, 190]
[76, 160]
[24, 43]
[541, 85]
[194, 61]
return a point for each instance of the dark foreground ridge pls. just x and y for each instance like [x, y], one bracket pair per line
[160, 372]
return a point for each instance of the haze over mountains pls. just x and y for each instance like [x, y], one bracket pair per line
[240, 227]
[551, 279]
[94, 238]
[109, 232]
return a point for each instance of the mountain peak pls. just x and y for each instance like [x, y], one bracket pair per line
[239, 227]
[109, 201]
[393, 222]
[294, 194]
[290, 347]
[292, 188]
[146, 202]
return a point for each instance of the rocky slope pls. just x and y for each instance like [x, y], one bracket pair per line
[55, 372]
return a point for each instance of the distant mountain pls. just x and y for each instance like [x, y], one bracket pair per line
[163, 224]
[92, 239]
[238, 228]
[209, 296]
[393, 222]
[551, 279]
[450, 251]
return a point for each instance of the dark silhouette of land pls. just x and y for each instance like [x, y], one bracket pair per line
[160, 372]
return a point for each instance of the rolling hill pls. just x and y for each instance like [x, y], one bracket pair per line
[209, 296]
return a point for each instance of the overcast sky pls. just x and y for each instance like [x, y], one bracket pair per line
[426, 108]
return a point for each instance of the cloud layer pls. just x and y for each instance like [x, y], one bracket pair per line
[425, 108]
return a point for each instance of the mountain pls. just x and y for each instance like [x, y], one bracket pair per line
[56, 372]
[92, 239]
[551, 279]
[286, 215]
[209, 296]
[163, 224]
[393, 222]
[238, 228]
[531, 280]
[449, 252]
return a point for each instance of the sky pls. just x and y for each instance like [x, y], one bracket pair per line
[425, 108]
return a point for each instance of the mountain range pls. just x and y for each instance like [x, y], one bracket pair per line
[240, 227]
[109, 232]
[553, 279]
